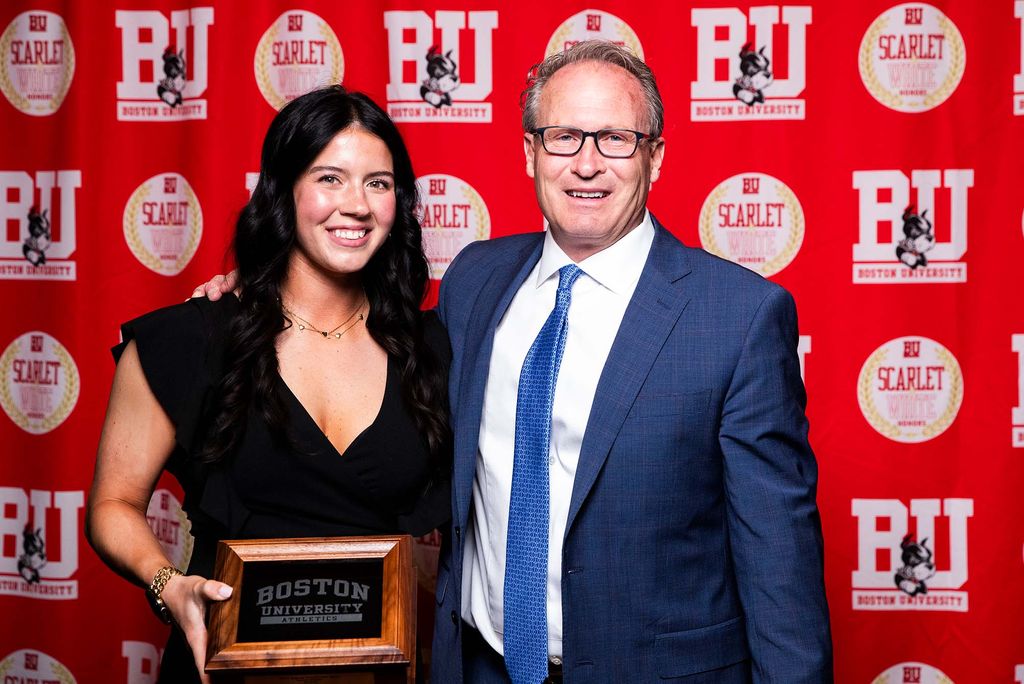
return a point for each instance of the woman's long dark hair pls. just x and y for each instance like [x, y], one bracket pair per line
[395, 278]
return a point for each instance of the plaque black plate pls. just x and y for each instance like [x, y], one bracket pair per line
[311, 599]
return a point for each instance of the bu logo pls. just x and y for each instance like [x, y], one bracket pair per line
[440, 87]
[922, 246]
[46, 231]
[37, 560]
[163, 76]
[736, 79]
[903, 569]
[142, 660]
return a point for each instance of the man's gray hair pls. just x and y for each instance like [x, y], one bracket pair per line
[595, 51]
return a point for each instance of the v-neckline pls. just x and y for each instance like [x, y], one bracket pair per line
[323, 435]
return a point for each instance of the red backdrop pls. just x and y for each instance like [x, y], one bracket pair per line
[875, 173]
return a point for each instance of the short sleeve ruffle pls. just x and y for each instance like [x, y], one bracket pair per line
[181, 351]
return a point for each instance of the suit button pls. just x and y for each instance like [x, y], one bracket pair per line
[455, 618]
[458, 533]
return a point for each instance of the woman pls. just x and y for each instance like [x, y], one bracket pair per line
[306, 406]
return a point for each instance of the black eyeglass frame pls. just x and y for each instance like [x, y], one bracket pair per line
[640, 137]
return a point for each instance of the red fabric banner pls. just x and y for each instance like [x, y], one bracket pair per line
[865, 155]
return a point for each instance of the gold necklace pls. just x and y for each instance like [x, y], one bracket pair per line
[306, 325]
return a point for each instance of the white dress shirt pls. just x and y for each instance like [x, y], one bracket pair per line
[599, 300]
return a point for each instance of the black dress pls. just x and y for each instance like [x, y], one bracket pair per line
[384, 483]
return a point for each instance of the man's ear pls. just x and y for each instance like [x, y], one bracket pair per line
[657, 157]
[529, 151]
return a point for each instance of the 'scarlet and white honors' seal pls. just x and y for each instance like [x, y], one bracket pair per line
[163, 223]
[912, 57]
[298, 53]
[910, 389]
[39, 382]
[37, 62]
[754, 220]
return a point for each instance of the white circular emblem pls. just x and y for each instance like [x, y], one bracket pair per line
[297, 54]
[919, 673]
[30, 665]
[37, 63]
[39, 382]
[452, 214]
[912, 57]
[163, 223]
[910, 389]
[171, 527]
[754, 220]
[593, 24]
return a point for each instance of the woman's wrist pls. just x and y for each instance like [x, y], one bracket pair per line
[156, 589]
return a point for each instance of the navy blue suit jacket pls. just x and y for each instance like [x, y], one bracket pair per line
[693, 547]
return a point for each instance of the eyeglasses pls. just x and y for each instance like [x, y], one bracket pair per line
[565, 141]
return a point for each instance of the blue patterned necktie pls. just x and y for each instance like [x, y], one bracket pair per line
[526, 559]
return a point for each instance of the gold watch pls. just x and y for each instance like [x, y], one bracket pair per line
[156, 588]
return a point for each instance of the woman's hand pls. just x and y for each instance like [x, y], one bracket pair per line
[186, 597]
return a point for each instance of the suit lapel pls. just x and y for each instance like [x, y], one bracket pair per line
[657, 303]
[496, 294]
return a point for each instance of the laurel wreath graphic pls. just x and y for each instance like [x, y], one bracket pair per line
[59, 414]
[483, 218]
[954, 72]
[707, 231]
[796, 232]
[6, 400]
[186, 548]
[131, 229]
[63, 674]
[262, 71]
[22, 103]
[6, 665]
[139, 249]
[630, 38]
[867, 66]
[956, 395]
[557, 39]
[957, 60]
[337, 56]
[867, 400]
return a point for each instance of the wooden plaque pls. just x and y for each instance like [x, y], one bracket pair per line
[315, 607]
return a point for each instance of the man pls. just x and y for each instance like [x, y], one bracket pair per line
[633, 490]
[683, 540]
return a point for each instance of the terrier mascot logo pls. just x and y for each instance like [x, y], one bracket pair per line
[34, 556]
[917, 566]
[918, 238]
[172, 84]
[442, 78]
[755, 76]
[39, 237]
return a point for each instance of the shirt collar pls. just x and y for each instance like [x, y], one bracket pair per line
[616, 267]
